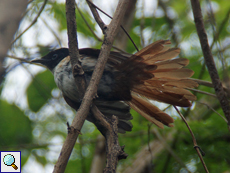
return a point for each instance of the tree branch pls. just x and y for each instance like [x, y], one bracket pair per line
[109, 129]
[78, 73]
[121, 38]
[209, 61]
[197, 148]
[11, 14]
[110, 33]
[32, 23]
[96, 16]
[93, 5]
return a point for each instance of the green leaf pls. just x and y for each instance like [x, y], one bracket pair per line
[81, 25]
[40, 159]
[39, 90]
[15, 126]
[58, 9]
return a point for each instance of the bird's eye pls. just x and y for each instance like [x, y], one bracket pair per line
[54, 56]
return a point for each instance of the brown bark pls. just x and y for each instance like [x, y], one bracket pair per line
[110, 33]
[10, 16]
[209, 61]
[78, 72]
[99, 159]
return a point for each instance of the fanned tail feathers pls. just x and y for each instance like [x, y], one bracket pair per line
[163, 78]
[149, 111]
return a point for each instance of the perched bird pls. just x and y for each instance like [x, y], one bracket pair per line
[153, 73]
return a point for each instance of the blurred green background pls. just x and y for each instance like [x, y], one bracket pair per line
[34, 114]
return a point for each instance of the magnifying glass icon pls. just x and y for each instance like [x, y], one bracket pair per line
[9, 160]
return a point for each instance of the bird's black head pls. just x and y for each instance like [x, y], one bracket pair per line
[53, 58]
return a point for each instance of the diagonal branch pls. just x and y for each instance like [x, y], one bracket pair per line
[196, 147]
[32, 23]
[110, 33]
[209, 61]
[96, 16]
[95, 13]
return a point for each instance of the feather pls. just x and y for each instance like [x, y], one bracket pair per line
[165, 97]
[180, 83]
[169, 54]
[154, 73]
[171, 64]
[150, 112]
[174, 74]
[154, 48]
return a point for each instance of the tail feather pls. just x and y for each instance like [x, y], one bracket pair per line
[171, 64]
[163, 56]
[154, 48]
[180, 83]
[163, 78]
[165, 97]
[182, 73]
[184, 83]
[118, 108]
[150, 112]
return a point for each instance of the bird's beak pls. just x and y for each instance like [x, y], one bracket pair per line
[40, 61]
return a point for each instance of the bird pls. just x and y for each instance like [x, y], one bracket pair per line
[128, 81]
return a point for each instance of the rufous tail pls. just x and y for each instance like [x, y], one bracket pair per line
[162, 78]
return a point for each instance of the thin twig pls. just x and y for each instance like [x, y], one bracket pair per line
[33, 22]
[93, 5]
[210, 107]
[53, 32]
[202, 82]
[221, 95]
[95, 35]
[97, 16]
[194, 140]
[218, 44]
[22, 59]
[92, 31]
[208, 84]
[202, 92]
[221, 27]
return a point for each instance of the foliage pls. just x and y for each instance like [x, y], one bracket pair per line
[39, 128]
[36, 90]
